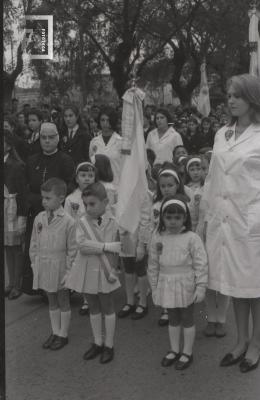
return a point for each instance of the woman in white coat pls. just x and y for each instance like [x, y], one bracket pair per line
[232, 192]
[163, 139]
[108, 142]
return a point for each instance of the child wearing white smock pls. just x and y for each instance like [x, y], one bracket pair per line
[178, 273]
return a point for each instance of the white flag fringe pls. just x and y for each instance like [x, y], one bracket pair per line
[254, 42]
[203, 100]
[133, 185]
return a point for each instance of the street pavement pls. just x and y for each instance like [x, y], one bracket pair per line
[135, 374]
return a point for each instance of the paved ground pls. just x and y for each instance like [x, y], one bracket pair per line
[36, 374]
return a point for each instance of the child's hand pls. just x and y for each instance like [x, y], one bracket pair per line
[199, 294]
[113, 247]
[63, 281]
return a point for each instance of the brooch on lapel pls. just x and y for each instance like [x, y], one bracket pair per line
[94, 148]
[159, 247]
[229, 134]
[39, 227]
[75, 206]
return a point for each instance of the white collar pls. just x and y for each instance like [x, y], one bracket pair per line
[5, 157]
[74, 129]
[50, 154]
[57, 213]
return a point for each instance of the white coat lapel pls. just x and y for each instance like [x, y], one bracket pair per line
[247, 134]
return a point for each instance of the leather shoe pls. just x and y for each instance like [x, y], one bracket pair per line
[229, 359]
[247, 365]
[210, 329]
[126, 310]
[220, 330]
[59, 343]
[14, 294]
[164, 319]
[93, 352]
[49, 341]
[167, 362]
[180, 365]
[8, 290]
[140, 314]
[84, 309]
[107, 355]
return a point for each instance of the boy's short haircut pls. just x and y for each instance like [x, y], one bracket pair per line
[35, 111]
[95, 189]
[58, 186]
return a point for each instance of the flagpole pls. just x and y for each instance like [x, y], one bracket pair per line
[254, 49]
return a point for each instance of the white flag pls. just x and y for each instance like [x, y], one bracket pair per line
[133, 185]
[254, 42]
[203, 100]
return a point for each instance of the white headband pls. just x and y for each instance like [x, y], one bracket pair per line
[173, 201]
[84, 163]
[170, 172]
[192, 160]
[182, 158]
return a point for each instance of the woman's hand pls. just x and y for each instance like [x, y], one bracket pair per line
[199, 294]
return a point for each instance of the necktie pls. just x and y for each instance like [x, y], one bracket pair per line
[70, 134]
[99, 220]
[50, 217]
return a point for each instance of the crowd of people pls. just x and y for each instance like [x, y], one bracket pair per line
[199, 229]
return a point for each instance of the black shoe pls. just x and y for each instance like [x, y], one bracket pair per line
[229, 359]
[59, 343]
[180, 365]
[163, 321]
[167, 362]
[107, 355]
[140, 314]
[8, 290]
[93, 352]
[14, 294]
[126, 310]
[247, 365]
[84, 309]
[49, 341]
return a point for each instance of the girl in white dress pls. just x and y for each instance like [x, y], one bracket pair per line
[178, 274]
[74, 206]
[195, 184]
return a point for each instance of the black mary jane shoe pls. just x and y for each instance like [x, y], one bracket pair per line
[126, 310]
[247, 365]
[140, 314]
[181, 365]
[59, 343]
[229, 359]
[93, 352]
[84, 309]
[164, 319]
[49, 341]
[167, 362]
[107, 355]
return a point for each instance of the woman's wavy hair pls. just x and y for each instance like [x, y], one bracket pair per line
[248, 88]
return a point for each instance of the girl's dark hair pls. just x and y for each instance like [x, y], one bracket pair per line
[164, 112]
[180, 190]
[75, 111]
[175, 209]
[150, 156]
[9, 138]
[112, 117]
[103, 166]
[36, 112]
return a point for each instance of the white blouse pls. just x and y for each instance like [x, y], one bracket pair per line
[163, 146]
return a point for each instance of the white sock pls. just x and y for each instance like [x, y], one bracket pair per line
[96, 325]
[188, 339]
[129, 286]
[174, 335]
[110, 324]
[222, 307]
[55, 317]
[142, 284]
[65, 323]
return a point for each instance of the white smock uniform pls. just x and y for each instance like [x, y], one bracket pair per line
[232, 194]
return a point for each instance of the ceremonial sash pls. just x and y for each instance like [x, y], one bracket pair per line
[92, 234]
